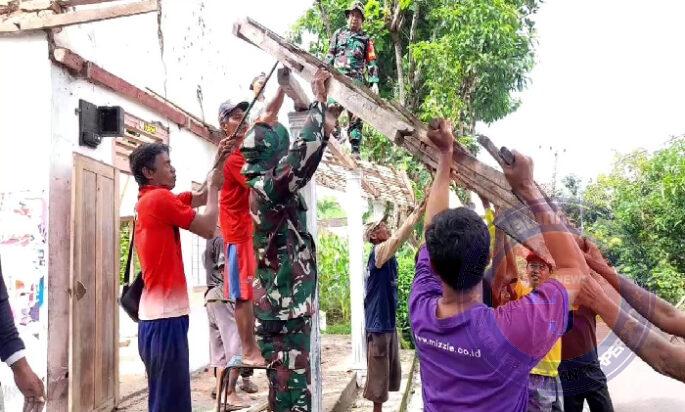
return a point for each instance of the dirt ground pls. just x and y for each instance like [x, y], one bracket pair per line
[336, 352]
[394, 398]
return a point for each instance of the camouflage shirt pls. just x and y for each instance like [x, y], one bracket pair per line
[286, 260]
[352, 53]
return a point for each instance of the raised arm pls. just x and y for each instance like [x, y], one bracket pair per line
[225, 147]
[204, 223]
[440, 134]
[652, 347]
[656, 310]
[372, 66]
[504, 267]
[270, 113]
[332, 46]
[388, 248]
[570, 262]
[285, 176]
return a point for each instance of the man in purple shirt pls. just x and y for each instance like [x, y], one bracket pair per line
[472, 357]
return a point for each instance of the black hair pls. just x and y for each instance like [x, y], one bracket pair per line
[144, 156]
[261, 75]
[458, 244]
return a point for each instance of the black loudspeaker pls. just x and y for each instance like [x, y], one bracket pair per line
[96, 122]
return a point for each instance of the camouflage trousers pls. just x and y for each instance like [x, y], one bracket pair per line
[289, 383]
[354, 124]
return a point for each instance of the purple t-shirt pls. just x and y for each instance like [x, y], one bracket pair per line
[479, 360]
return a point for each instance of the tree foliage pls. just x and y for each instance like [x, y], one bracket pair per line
[459, 59]
[641, 219]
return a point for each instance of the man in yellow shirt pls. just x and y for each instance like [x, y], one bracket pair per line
[544, 387]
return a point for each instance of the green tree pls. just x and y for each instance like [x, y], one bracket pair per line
[460, 59]
[643, 233]
[332, 255]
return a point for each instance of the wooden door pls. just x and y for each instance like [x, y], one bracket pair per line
[93, 357]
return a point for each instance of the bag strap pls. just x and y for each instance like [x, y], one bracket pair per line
[127, 272]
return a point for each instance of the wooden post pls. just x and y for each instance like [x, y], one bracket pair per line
[296, 120]
[356, 250]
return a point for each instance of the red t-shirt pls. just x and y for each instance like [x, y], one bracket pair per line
[234, 213]
[158, 244]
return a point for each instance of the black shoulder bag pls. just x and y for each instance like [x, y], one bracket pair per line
[130, 295]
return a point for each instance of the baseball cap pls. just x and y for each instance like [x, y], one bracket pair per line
[227, 107]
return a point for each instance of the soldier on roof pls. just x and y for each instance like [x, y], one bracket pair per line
[352, 52]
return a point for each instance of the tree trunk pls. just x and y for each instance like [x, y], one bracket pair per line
[325, 19]
[412, 40]
[394, 25]
[414, 72]
[400, 70]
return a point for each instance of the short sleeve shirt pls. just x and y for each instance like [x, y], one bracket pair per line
[479, 360]
[158, 244]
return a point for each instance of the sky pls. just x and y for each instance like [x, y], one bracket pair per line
[609, 78]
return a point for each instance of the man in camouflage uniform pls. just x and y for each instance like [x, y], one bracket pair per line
[286, 259]
[351, 52]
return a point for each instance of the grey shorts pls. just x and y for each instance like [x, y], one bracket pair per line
[384, 370]
[224, 341]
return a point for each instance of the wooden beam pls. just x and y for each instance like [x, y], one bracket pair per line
[93, 73]
[39, 21]
[72, 3]
[392, 120]
[339, 153]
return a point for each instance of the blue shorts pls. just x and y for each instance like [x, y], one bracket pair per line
[163, 347]
[239, 272]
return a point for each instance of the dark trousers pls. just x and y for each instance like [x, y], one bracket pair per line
[163, 347]
[598, 401]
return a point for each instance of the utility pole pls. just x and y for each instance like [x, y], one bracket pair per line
[555, 151]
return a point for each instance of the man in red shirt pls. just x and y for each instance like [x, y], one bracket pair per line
[164, 305]
[236, 225]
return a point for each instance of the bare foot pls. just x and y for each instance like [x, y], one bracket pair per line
[248, 386]
[235, 401]
[253, 356]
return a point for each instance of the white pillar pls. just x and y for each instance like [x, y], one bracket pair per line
[296, 120]
[356, 248]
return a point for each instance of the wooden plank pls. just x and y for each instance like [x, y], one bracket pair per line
[73, 3]
[100, 290]
[115, 288]
[89, 266]
[32, 21]
[74, 330]
[59, 268]
[95, 74]
[107, 199]
[392, 121]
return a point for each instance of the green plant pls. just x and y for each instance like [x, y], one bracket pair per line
[405, 277]
[642, 228]
[339, 329]
[124, 242]
[334, 280]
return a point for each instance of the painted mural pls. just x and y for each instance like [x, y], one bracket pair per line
[23, 250]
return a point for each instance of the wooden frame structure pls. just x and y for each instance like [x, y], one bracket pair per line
[404, 129]
[24, 15]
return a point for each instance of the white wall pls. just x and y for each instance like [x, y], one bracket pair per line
[38, 101]
[25, 102]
